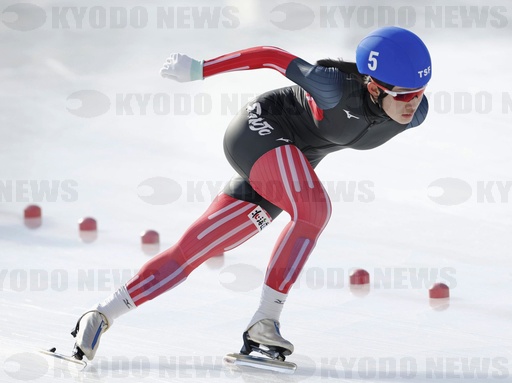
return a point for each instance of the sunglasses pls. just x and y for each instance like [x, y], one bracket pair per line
[402, 96]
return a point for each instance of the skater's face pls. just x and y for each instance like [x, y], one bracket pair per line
[400, 103]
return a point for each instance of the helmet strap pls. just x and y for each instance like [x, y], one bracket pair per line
[382, 94]
[380, 98]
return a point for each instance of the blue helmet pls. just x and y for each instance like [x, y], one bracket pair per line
[394, 56]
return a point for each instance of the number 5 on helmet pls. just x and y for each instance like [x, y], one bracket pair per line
[182, 68]
[395, 56]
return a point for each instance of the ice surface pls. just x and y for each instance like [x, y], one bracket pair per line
[137, 131]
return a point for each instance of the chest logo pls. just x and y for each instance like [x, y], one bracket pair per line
[349, 115]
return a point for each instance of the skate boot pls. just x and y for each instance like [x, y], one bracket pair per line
[264, 337]
[87, 332]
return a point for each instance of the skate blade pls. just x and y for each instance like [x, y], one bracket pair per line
[260, 362]
[78, 364]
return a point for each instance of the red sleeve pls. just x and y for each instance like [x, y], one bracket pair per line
[252, 58]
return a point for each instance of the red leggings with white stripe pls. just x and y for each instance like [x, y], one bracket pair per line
[282, 176]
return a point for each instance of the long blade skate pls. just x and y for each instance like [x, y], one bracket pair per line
[78, 364]
[273, 358]
[260, 362]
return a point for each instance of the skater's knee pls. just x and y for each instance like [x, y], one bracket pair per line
[315, 212]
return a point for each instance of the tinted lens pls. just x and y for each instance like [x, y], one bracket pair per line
[408, 96]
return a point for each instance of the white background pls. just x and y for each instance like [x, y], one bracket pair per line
[105, 157]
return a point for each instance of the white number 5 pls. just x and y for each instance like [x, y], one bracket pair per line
[372, 60]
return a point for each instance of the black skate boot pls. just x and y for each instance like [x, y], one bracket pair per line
[265, 338]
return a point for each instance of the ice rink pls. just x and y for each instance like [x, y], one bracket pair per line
[89, 128]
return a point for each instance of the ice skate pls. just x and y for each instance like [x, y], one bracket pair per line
[87, 332]
[265, 338]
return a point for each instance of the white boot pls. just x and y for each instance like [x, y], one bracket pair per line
[266, 333]
[87, 332]
[96, 321]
